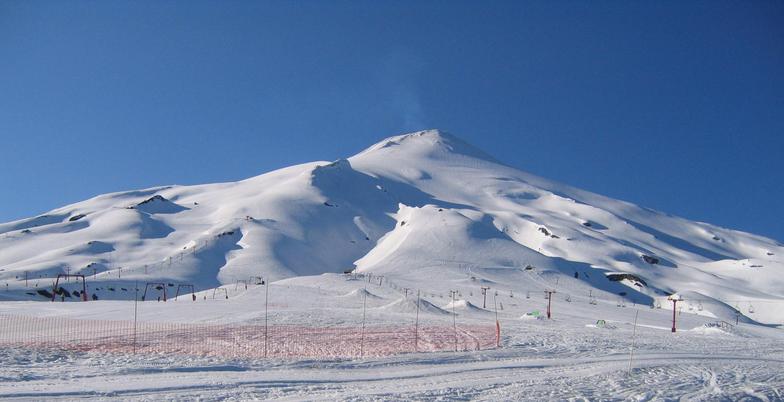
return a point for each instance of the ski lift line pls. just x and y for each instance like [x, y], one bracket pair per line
[737, 300]
[591, 300]
[594, 299]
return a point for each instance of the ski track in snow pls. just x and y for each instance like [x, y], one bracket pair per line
[656, 375]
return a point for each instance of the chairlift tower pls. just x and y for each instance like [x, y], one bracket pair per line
[549, 296]
[484, 296]
[66, 277]
[159, 286]
[185, 287]
[674, 299]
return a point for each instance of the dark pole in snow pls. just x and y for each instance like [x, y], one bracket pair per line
[454, 316]
[484, 296]
[497, 324]
[362, 334]
[416, 325]
[135, 309]
[549, 301]
[674, 302]
[266, 304]
[54, 288]
[495, 304]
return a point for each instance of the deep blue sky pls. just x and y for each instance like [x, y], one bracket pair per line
[677, 106]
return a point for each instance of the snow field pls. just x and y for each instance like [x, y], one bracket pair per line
[560, 358]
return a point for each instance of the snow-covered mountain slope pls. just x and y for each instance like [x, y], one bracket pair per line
[425, 208]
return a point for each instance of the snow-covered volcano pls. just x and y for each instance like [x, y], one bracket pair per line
[425, 207]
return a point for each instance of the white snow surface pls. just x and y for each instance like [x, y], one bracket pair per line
[568, 357]
[421, 212]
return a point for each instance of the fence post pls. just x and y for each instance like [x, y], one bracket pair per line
[416, 325]
[454, 316]
[266, 309]
[634, 333]
[497, 323]
[362, 334]
[135, 309]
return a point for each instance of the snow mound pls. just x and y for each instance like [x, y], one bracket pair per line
[92, 247]
[464, 305]
[404, 305]
[157, 204]
[714, 328]
[360, 293]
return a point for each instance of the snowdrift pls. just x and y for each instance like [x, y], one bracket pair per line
[409, 306]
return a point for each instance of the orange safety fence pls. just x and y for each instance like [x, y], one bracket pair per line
[241, 340]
